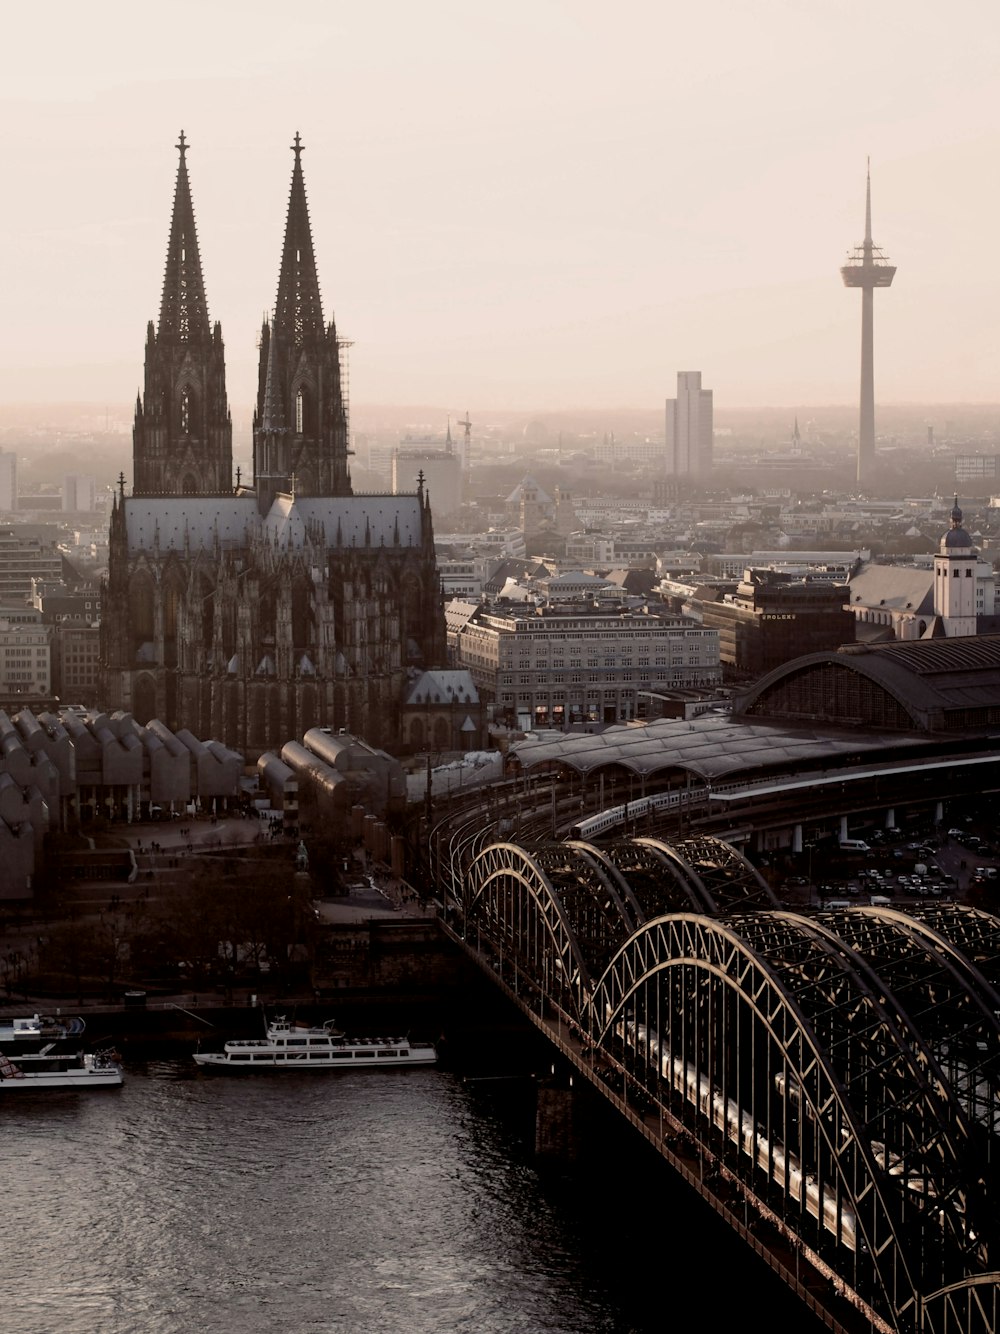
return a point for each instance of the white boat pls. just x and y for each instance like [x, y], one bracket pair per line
[48, 1069]
[32, 1030]
[291, 1047]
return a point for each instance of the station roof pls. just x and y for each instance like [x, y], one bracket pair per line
[708, 748]
[943, 684]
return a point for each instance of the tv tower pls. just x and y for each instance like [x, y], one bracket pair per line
[867, 267]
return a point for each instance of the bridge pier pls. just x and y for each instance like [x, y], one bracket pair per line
[557, 1113]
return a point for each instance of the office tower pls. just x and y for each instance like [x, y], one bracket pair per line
[689, 428]
[78, 492]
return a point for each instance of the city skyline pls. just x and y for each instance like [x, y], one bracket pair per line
[515, 208]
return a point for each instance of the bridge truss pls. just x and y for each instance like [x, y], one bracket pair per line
[843, 1070]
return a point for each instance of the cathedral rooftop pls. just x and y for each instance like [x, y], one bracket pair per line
[196, 523]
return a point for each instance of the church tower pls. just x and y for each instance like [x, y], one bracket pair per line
[182, 437]
[300, 424]
[955, 580]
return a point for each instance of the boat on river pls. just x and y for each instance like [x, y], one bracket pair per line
[24, 1032]
[289, 1046]
[49, 1069]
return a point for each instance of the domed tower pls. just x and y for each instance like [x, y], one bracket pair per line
[955, 580]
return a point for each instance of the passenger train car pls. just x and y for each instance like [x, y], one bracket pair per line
[771, 1157]
[614, 816]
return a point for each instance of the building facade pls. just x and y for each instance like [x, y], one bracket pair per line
[25, 659]
[22, 559]
[971, 469]
[563, 666]
[79, 493]
[8, 480]
[253, 610]
[441, 469]
[772, 618]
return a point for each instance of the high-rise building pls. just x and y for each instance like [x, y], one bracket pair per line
[251, 613]
[78, 492]
[689, 429]
[8, 480]
[437, 461]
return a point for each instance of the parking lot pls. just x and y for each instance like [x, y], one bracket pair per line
[898, 866]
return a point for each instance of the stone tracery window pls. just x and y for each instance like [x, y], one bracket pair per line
[187, 410]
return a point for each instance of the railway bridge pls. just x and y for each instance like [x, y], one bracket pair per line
[828, 1082]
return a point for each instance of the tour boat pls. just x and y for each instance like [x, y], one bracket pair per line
[290, 1047]
[48, 1069]
[33, 1030]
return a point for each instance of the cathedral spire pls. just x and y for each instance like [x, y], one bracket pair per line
[299, 368]
[183, 308]
[182, 439]
[298, 311]
[273, 416]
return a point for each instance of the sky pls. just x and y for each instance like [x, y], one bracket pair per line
[538, 204]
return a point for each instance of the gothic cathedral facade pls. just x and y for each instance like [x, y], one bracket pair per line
[250, 613]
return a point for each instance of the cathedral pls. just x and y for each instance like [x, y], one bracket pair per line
[252, 612]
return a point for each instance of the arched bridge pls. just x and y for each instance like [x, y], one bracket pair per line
[829, 1082]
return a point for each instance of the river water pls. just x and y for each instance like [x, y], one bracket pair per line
[396, 1202]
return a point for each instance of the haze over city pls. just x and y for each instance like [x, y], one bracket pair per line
[532, 206]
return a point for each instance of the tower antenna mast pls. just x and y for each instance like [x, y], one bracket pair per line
[867, 267]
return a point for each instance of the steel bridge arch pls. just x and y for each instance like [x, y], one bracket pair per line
[721, 877]
[553, 905]
[709, 973]
[948, 999]
[659, 884]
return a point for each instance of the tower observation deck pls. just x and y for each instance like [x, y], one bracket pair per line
[867, 267]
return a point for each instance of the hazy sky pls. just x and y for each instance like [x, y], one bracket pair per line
[533, 203]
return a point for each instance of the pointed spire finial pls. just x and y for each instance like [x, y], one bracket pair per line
[183, 308]
[121, 486]
[298, 311]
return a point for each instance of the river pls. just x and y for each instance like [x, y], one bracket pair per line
[396, 1202]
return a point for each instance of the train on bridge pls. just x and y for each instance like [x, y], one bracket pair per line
[839, 1070]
